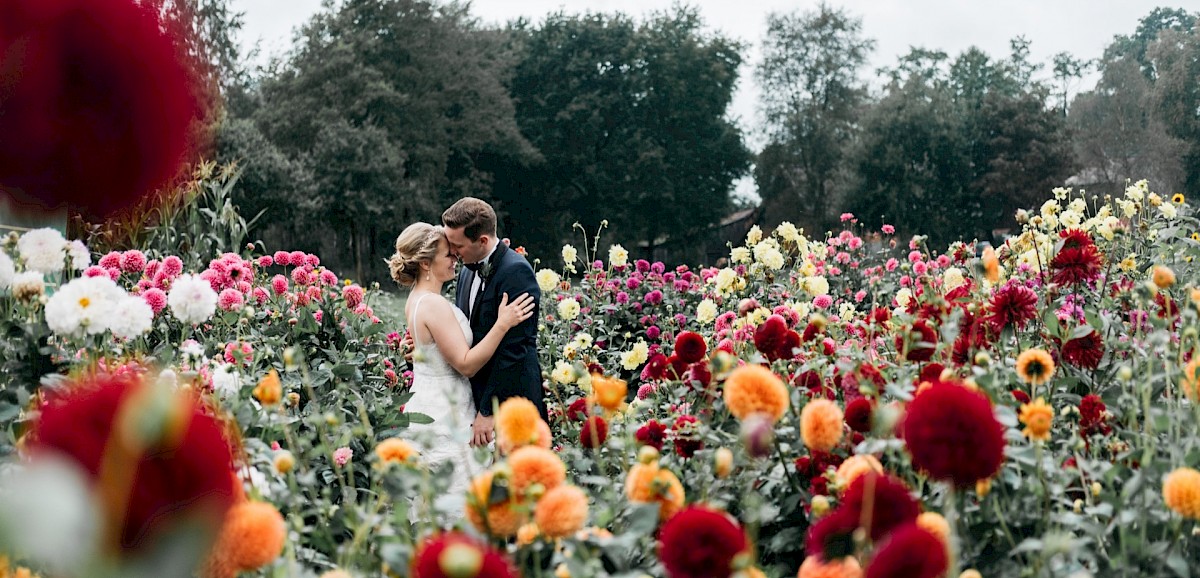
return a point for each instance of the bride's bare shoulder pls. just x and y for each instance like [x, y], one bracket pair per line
[436, 305]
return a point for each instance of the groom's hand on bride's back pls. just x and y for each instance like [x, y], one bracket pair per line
[512, 314]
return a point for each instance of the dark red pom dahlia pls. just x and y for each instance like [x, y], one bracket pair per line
[444, 556]
[578, 410]
[774, 340]
[920, 340]
[656, 367]
[858, 414]
[690, 346]
[832, 537]
[909, 552]
[97, 103]
[700, 543]
[952, 434]
[890, 501]
[594, 432]
[187, 473]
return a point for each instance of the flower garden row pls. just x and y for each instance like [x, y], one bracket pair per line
[845, 405]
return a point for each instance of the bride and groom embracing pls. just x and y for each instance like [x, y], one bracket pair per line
[476, 352]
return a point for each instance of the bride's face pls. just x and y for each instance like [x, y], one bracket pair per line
[444, 265]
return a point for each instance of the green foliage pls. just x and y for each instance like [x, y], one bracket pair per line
[630, 120]
[811, 97]
[955, 148]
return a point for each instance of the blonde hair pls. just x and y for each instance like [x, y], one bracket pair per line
[417, 244]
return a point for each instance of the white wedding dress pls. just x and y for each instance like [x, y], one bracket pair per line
[444, 394]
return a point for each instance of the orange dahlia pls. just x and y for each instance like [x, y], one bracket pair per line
[1190, 382]
[1181, 492]
[516, 422]
[648, 483]
[855, 466]
[269, 390]
[752, 389]
[502, 519]
[1037, 416]
[543, 440]
[395, 451]
[821, 425]
[935, 524]
[533, 465]
[814, 567]
[253, 536]
[562, 511]
[608, 392]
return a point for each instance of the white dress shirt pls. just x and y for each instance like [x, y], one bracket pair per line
[477, 283]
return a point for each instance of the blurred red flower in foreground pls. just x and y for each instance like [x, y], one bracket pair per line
[152, 463]
[96, 103]
[952, 434]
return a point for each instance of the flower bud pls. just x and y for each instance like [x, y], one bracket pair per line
[983, 487]
[1078, 506]
[1096, 488]
[647, 455]
[820, 505]
[758, 433]
[460, 561]
[1125, 373]
[970, 573]
[723, 462]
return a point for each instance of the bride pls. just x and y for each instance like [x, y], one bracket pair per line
[445, 358]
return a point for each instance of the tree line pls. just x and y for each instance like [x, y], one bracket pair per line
[385, 111]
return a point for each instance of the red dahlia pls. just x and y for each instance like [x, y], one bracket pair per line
[1084, 352]
[594, 432]
[774, 340]
[457, 554]
[578, 410]
[890, 501]
[858, 414]
[700, 543]
[690, 346]
[652, 434]
[687, 436]
[656, 368]
[1012, 305]
[952, 434]
[921, 341]
[909, 552]
[98, 103]
[1077, 259]
[184, 473]
[832, 537]
[1092, 417]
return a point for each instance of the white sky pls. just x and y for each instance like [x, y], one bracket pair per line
[1080, 27]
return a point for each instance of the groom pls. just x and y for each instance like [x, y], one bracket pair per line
[491, 270]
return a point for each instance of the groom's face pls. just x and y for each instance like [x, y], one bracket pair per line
[465, 249]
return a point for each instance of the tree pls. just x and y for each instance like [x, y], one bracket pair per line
[1067, 71]
[631, 121]
[391, 109]
[1176, 97]
[953, 149]
[811, 97]
[1118, 138]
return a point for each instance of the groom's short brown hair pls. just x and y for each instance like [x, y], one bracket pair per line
[474, 216]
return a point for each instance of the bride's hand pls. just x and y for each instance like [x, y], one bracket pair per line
[512, 314]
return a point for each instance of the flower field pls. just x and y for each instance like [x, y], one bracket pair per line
[834, 405]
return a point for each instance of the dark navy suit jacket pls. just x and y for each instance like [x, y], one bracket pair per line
[513, 371]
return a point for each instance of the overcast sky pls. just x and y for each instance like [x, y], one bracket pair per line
[1075, 26]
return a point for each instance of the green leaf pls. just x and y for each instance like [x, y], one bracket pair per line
[418, 418]
[642, 519]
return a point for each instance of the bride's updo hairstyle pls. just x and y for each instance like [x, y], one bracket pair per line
[417, 244]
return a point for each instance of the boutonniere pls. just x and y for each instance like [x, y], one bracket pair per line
[486, 270]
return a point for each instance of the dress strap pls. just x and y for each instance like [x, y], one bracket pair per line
[412, 323]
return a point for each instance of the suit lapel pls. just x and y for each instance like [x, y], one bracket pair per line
[462, 290]
[494, 264]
